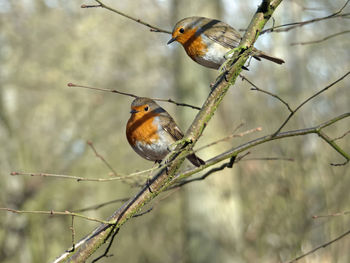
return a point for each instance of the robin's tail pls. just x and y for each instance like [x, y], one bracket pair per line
[259, 54]
[195, 160]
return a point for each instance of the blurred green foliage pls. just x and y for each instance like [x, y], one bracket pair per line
[259, 211]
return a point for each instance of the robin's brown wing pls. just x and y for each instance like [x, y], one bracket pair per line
[229, 37]
[170, 126]
[222, 33]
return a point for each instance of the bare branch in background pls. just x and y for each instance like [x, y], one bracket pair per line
[156, 203]
[320, 40]
[101, 157]
[319, 247]
[53, 213]
[228, 164]
[310, 98]
[331, 215]
[255, 87]
[289, 26]
[229, 137]
[73, 235]
[84, 179]
[335, 147]
[135, 96]
[341, 136]
[269, 159]
[111, 236]
[98, 206]
[248, 145]
[152, 28]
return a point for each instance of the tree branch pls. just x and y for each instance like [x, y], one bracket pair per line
[246, 146]
[255, 87]
[84, 179]
[320, 40]
[134, 96]
[290, 26]
[52, 213]
[102, 5]
[310, 98]
[331, 215]
[321, 246]
[101, 158]
[98, 206]
[341, 136]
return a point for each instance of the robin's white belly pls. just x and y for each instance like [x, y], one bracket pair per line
[158, 148]
[214, 56]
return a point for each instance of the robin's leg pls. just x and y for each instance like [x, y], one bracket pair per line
[227, 63]
[184, 141]
[223, 74]
[228, 57]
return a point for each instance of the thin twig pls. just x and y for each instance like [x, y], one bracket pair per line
[73, 235]
[98, 206]
[335, 147]
[101, 157]
[82, 179]
[144, 212]
[331, 215]
[52, 213]
[102, 5]
[341, 136]
[134, 96]
[266, 92]
[340, 164]
[320, 40]
[321, 246]
[293, 25]
[310, 98]
[228, 138]
[156, 203]
[228, 164]
[112, 234]
[269, 159]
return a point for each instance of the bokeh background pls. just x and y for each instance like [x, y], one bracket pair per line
[258, 211]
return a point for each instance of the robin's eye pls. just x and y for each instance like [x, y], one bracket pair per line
[181, 30]
[146, 108]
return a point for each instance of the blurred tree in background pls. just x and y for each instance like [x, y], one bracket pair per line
[257, 211]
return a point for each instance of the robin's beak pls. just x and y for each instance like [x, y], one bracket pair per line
[171, 40]
[133, 111]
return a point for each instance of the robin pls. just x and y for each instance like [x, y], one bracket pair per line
[151, 130]
[207, 41]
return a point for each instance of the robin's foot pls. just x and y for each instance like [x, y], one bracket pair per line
[148, 183]
[223, 74]
[183, 141]
[229, 54]
[228, 57]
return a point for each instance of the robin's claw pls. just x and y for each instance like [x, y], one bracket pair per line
[181, 141]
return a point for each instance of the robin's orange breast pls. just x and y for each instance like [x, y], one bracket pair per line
[142, 129]
[193, 44]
